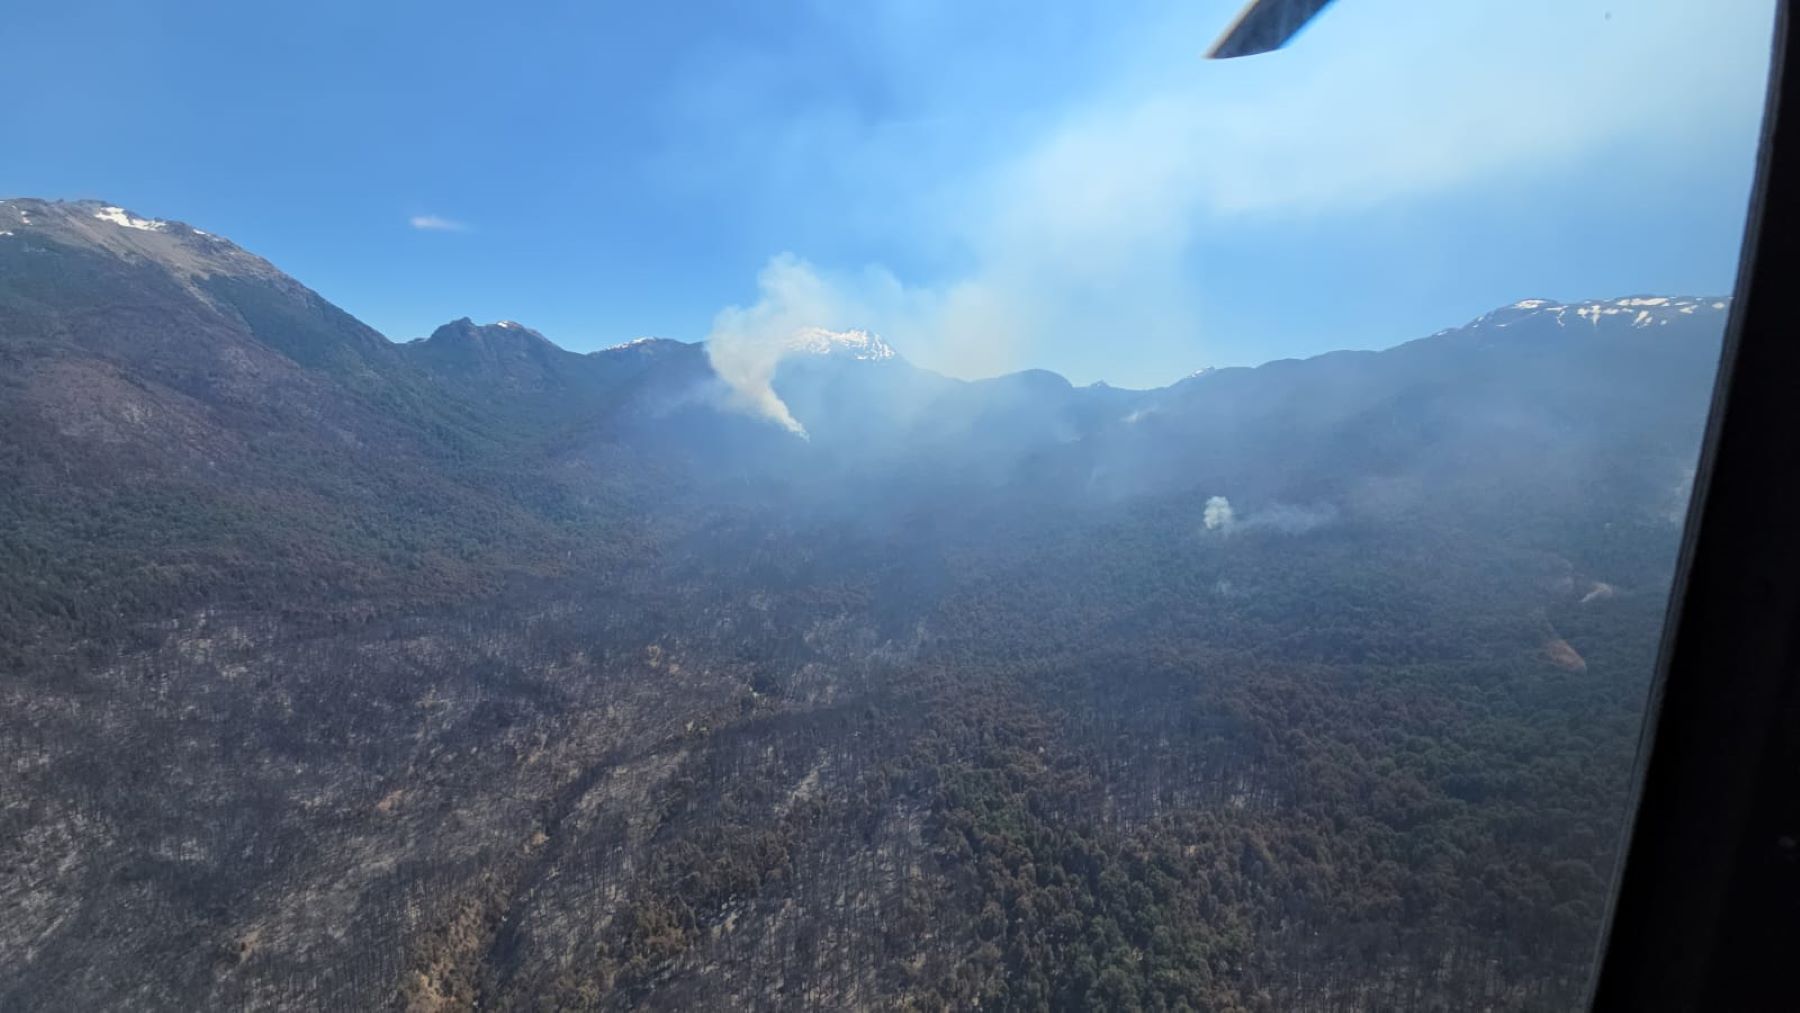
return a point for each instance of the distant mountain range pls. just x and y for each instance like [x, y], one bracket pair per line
[151, 361]
[472, 669]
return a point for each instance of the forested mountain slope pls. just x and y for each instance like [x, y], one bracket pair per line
[344, 673]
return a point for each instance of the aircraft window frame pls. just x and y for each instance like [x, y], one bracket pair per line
[1705, 910]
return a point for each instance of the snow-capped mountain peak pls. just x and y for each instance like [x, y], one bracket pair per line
[1633, 310]
[854, 344]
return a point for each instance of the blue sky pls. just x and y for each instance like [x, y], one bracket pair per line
[989, 185]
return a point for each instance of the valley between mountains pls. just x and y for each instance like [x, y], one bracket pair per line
[468, 671]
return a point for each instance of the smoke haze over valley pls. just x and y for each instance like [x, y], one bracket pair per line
[777, 671]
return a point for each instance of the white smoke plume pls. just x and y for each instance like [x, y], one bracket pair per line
[1218, 514]
[1282, 518]
[747, 343]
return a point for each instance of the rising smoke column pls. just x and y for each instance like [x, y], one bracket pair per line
[746, 361]
[747, 343]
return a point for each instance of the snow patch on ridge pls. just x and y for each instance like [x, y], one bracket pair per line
[120, 216]
[633, 343]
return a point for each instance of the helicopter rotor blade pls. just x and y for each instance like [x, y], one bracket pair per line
[1265, 26]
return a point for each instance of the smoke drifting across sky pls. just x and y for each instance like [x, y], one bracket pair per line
[1076, 247]
[1006, 183]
